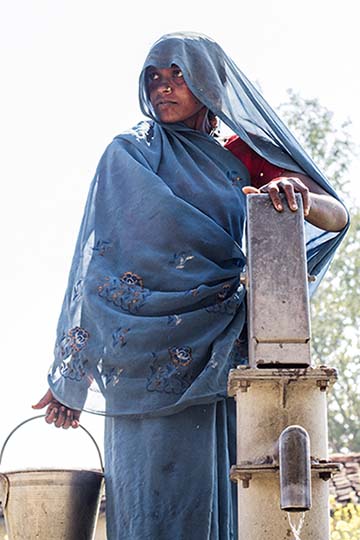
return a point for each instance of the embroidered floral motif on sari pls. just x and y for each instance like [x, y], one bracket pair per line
[120, 336]
[171, 377]
[226, 304]
[126, 292]
[74, 341]
[109, 375]
[74, 368]
[102, 246]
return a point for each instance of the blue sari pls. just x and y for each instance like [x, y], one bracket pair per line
[154, 312]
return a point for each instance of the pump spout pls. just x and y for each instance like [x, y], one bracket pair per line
[295, 469]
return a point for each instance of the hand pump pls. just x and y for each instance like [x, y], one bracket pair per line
[282, 443]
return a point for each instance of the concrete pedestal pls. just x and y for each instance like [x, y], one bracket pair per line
[267, 402]
[260, 517]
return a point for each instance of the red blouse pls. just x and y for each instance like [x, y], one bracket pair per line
[261, 171]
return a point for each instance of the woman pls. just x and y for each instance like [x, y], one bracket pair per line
[154, 309]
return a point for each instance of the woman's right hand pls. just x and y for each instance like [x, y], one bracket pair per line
[57, 413]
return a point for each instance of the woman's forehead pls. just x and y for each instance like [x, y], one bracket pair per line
[156, 68]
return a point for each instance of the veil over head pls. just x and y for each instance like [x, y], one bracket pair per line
[218, 83]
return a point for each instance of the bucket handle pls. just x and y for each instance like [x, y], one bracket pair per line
[4, 490]
[43, 416]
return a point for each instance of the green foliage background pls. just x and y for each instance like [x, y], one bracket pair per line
[345, 521]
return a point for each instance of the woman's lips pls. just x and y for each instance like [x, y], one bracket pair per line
[165, 104]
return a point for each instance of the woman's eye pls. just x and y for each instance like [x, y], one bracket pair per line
[153, 76]
[178, 73]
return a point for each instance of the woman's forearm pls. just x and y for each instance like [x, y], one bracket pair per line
[326, 212]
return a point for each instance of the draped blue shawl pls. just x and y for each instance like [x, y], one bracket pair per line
[153, 313]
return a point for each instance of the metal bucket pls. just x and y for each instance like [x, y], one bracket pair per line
[51, 504]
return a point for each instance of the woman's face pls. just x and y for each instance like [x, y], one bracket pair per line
[171, 98]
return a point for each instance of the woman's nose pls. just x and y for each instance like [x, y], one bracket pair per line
[166, 87]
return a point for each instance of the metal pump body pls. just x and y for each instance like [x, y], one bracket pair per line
[278, 300]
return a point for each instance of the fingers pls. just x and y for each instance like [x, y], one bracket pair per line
[295, 185]
[51, 414]
[306, 201]
[272, 188]
[288, 186]
[289, 191]
[250, 189]
[62, 416]
[76, 419]
[45, 400]
[67, 418]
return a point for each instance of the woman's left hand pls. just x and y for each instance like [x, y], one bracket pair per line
[287, 185]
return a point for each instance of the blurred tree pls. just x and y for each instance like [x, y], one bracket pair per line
[335, 307]
[345, 521]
